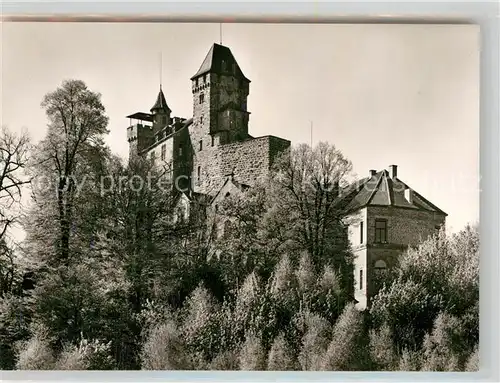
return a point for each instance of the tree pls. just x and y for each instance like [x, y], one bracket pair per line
[252, 356]
[316, 334]
[14, 156]
[280, 357]
[382, 351]
[343, 352]
[417, 292]
[305, 207]
[74, 142]
[164, 349]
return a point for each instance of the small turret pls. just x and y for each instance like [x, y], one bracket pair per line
[161, 112]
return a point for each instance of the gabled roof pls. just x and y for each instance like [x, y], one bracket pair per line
[230, 180]
[161, 103]
[213, 62]
[382, 190]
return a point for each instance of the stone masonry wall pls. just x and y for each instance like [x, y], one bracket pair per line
[405, 226]
[248, 160]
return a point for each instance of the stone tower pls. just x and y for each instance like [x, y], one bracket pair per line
[220, 115]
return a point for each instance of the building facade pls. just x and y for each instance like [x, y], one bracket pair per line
[385, 217]
[214, 145]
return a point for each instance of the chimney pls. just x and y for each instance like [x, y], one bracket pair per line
[372, 172]
[393, 169]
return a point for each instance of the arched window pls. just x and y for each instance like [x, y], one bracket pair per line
[380, 266]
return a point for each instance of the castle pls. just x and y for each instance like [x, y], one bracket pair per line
[211, 155]
[214, 145]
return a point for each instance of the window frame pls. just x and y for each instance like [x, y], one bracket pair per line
[381, 232]
[163, 154]
[361, 232]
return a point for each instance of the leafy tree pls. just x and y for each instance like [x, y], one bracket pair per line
[74, 143]
[382, 349]
[252, 355]
[315, 339]
[15, 320]
[280, 357]
[417, 293]
[473, 361]
[409, 360]
[164, 349]
[36, 353]
[343, 352]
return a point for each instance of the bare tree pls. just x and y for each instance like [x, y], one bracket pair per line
[307, 206]
[14, 152]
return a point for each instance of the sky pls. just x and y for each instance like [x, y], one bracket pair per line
[382, 94]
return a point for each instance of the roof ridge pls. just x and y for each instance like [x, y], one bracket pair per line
[372, 194]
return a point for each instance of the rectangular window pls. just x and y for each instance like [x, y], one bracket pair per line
[201, 145]
[202, 98]
[204, 78]
[381, 230]
[199, 174]
[213, 140]
[201, 120]
[361, 279]
[361, 232]
[163, 152]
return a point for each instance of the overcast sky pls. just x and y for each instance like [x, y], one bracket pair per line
[383, 94]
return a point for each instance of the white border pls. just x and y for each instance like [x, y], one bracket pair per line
[483, 13]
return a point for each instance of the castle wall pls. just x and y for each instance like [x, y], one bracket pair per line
[249, 161]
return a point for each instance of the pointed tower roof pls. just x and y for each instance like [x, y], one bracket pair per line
[214, 59]
[160, 103]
